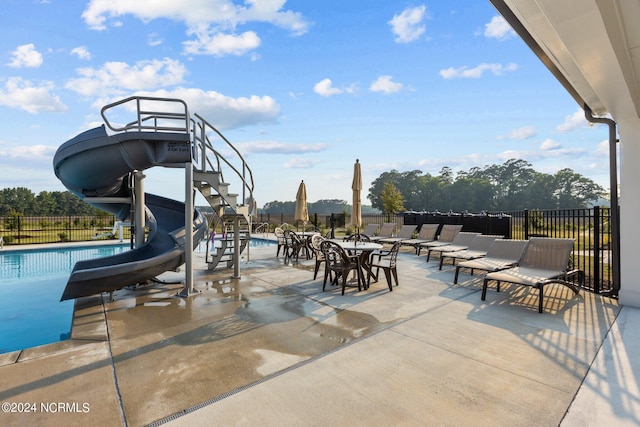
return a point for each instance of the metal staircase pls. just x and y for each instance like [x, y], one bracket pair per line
[233, 213]
[213, 173]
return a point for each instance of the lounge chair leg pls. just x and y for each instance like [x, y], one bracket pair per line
[455, 277]
[540, 298]
[441, 259]
[428, 254]
[484, 289]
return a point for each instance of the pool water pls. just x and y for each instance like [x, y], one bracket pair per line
[31, 283]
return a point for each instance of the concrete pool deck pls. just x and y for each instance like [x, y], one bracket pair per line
[272, 348]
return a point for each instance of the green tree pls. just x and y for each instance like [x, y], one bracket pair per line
[20, 199]
[471, 194]
[327, 206]
[573, 190]
[392, 201]
[375, 191]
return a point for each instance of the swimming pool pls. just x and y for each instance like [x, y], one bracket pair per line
[31, 283]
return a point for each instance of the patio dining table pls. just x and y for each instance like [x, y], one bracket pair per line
[363, 250]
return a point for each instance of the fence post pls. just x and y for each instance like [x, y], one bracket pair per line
[596, 249]
[526, 224]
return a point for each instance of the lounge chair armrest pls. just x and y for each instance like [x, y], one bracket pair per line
[573, 274]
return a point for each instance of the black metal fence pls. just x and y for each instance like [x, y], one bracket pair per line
[23, 230]
[589, 227]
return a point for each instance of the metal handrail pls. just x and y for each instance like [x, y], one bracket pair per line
[143, 116]
[203, 145]
[204, 156]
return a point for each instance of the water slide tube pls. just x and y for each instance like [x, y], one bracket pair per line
[96, 167]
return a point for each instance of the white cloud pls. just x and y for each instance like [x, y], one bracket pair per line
[275, 147]
[498, 28]
[23, 158]
[26, 56]
[525, 132]
[477, 72]
[301, 163]
[386, 85]
[81, 52]
[408, 25]
[549, 144]
[325, 88]
[602, 150]
[219, 44]
[573, 121]
[154, 39]
[224, 112]
[117, 77]
[213, 22]
[22, 94]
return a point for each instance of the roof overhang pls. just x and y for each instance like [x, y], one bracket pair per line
[591, 46]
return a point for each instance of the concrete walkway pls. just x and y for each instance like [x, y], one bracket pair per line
[273, 349]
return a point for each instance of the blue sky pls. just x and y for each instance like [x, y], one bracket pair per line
[302, 88]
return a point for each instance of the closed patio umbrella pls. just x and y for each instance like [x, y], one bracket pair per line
[302, 213]
[356, 186]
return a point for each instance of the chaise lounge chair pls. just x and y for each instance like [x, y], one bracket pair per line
[460, 242]
[405, 233]
[477, 249]
[447, 234]
[503, 254]
[386, 231]
[369, 230]
[544, 262]
[426, 234]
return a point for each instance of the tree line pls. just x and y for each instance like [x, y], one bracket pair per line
[324, 206]
[22, 201]
[513, 185]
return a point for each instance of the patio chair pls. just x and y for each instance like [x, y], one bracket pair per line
[357, 237]
[339, 262]
[460, 242]
[386, 231]
[503, 254]
[477, 249]
[544, 262]
[405, 233]
[447, 234]
[316, 243]
[387, 261]
[426, 234]
[279, 232]
[293, 245]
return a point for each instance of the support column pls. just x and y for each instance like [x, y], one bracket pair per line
[188, 229]
[139, 219]
[236, 247]
[629, 212]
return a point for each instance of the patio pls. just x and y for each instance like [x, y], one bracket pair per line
[273, 349]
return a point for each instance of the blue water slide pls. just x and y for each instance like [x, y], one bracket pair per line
[96, 167]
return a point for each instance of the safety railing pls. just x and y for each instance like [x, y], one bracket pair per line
[172, 115]
[206, 158]
[152, 114]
